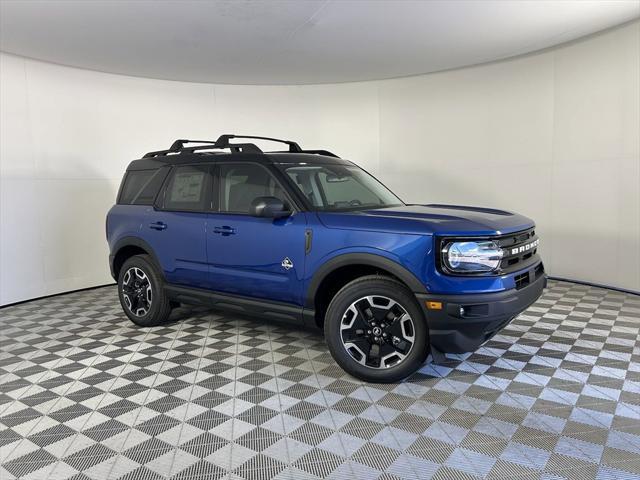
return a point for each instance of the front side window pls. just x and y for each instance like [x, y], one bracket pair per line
[240, 184]
[186, 190]
[341, 187]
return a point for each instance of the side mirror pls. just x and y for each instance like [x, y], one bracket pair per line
[269, 207]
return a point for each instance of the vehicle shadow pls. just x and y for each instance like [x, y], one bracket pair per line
[185, 312]
[426, 375]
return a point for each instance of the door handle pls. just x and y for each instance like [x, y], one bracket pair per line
[158, 225]
[224, 230]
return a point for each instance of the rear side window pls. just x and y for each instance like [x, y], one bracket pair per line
[141, 186]
[187, 188]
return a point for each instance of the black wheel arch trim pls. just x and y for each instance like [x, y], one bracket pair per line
[369, 259]
[133, 242]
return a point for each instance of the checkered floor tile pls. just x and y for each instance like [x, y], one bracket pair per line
[85, 394]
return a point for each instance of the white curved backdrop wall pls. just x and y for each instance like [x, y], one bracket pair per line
[555, 136]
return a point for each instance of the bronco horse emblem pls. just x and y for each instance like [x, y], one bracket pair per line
[287, 264]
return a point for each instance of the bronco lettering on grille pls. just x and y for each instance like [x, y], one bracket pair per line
[524, 248]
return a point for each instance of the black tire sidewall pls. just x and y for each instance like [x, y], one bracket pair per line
[158, 311]
[385, 287]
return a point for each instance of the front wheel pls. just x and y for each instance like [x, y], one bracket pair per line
[375, 330]
[141, 292]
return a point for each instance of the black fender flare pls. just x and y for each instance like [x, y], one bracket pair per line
[134, 242]
[369, 259]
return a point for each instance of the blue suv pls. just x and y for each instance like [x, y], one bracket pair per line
[307, 237]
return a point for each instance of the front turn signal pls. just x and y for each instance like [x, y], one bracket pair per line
[434, 305]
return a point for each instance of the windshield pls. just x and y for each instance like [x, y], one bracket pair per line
[340, 187]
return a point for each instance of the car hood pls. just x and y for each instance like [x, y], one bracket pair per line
[429, 219]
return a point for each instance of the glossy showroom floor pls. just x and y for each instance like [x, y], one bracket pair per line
[86, 394]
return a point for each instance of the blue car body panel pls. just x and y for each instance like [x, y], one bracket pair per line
[180, 248]
[249, 262]
[410, 251]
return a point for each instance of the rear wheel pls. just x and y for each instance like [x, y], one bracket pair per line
[375, 330]
[141, 292]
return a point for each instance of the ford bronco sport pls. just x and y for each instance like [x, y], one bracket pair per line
[305, 236]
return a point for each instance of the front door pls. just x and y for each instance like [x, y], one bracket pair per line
[251, 256]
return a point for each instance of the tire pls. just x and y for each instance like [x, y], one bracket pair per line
[146, 305]
[394, 323]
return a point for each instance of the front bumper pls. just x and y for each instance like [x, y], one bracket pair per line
[456, 331]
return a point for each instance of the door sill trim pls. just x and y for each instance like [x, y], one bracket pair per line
[286, 312]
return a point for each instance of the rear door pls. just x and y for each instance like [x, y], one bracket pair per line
[176, 228]
[251, 256]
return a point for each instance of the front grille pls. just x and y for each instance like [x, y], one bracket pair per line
[516, 256]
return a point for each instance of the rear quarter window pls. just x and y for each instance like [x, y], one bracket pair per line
[140, 187]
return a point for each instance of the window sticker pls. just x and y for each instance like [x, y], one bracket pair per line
[187, 187]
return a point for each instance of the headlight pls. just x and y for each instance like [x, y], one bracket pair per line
[470, 257]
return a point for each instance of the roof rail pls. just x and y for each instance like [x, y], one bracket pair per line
[223, 143]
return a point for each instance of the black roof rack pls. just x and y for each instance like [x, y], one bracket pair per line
[293, 146]
[223, 143]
